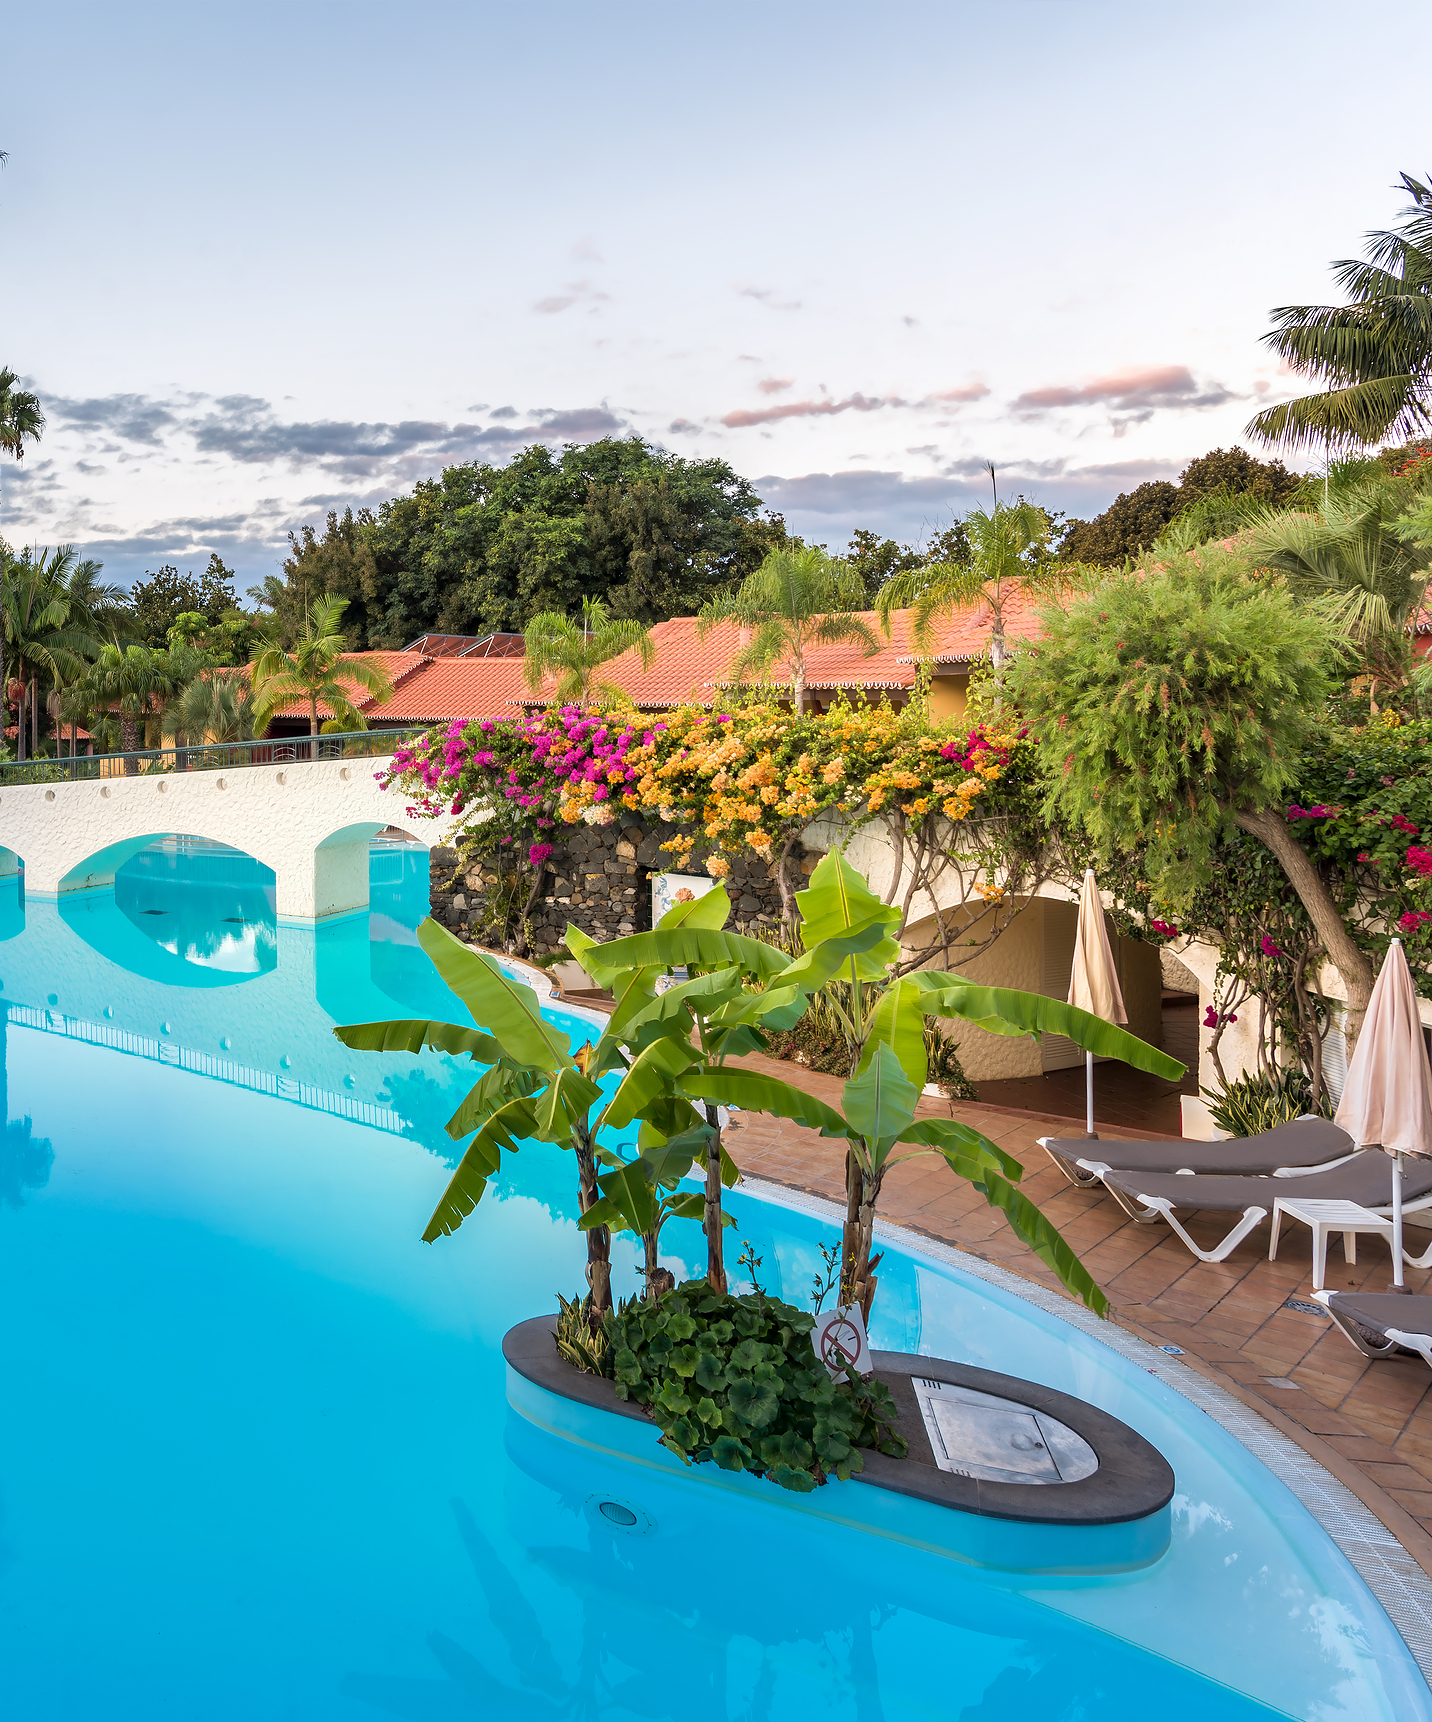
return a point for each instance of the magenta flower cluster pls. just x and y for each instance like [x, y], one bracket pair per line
[1317, 811]
[1413, 919]
[1420, 860]
[1167, 928]
[570, 747]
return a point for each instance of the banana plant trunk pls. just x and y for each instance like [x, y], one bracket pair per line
[599, 1239]
[712, 1218]
[862, 1194]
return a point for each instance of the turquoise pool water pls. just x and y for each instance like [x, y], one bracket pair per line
[256, 1459]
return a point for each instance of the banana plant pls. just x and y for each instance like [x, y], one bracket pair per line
[535, 1088]
[850, 946]
[692, 1029]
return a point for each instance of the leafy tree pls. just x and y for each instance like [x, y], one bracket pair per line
[161, 598]
[1218, 490]
[794, 600]
[1172, 703]
[877, 559]
[1373, 355]
[21, 419]
[555, 646]
[316, 670]
[485, 548]
[338, 565]
[214, 707]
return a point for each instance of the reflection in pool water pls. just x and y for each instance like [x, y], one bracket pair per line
[203, 902]
[257, 1461]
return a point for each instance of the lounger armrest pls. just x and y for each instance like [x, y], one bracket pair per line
[1097, 1167]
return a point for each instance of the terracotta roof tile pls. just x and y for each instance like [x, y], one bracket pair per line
[965, 634]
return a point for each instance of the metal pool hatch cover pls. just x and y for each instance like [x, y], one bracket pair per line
[998, 1440]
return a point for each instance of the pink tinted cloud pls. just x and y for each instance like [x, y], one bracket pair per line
[970, 392]
[1138, 391]
[809, 410]
[774, 385]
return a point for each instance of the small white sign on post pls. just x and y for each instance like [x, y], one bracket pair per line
[840, 1342]
[668, 889]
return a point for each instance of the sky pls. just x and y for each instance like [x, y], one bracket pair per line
[260, 262]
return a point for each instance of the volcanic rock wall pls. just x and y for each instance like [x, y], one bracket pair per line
[598, 877]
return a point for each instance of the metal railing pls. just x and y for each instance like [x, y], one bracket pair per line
[210, 756]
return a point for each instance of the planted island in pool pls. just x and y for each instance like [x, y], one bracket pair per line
[733, 1381]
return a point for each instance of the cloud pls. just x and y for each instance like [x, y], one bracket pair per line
[683, 427]
[574, 293]
[585, 251]
[767, 296]
[134, 417]
[774, 385]
[1138, 392]
[809, 409]
[970, 392]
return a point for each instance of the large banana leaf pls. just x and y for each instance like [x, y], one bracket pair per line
[506, 1129]
[412, 1035]
[836, 900]
[713, 911]
[505, 1007]
[1031, 1227]
[630, 1194]
[590, 954]
[868, 949]
[880, 1101]
[1003, 1010]
[494, 1088]
[777, 1009]
[755, 1093]
[633, 990]
[940, 1134]
[563, 1103]
[899, 1023]
[703, 947]
[672, 1012]
[653, 1072]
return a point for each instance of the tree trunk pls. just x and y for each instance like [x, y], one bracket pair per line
[20, 714]
[711, 1220]
[313, 717]
[783, 884]
[863, 1280]
[1271, 829]
[850, 1235]
[129, 741]
[651, 1250]
[599, 1239]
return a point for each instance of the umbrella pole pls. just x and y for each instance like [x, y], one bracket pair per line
[1397, 1284]
[1089, 1092]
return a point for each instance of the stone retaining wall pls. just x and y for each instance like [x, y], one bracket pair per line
[599, 878]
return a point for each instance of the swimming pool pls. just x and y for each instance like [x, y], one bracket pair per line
[256, 1459]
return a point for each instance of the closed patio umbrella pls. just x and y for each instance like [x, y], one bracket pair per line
[1387, 1098]
[1093, 983]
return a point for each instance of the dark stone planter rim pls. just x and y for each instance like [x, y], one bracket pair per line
[1133, 1480]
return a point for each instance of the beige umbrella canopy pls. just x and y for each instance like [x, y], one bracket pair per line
[1094, 983]
[1387, 1098]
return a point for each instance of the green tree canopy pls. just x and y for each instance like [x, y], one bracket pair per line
[485, 548]
[161, 598]
[1172, 703]
[316, 672]
[1139, 518]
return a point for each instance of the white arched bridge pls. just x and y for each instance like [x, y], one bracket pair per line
[310, 821]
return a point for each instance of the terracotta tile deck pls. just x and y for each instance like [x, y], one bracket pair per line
[1369, 1422]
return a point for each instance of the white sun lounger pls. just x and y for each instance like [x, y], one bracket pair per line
[1287, 1151]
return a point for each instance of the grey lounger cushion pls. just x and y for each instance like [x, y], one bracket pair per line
[1369, 1318]
[1365, 1179]
[1303, 1142]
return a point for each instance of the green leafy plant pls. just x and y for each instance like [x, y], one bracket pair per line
[847, 935]
[735, 1382]
[1261, 1099]
[586, 1344]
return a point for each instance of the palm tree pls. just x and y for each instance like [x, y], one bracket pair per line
[795, 599]
[319, 671]
[1373, 355]
[1353, 556]
[21, 421]
[217, 706]
[38, 634]
[1005, 541]
[553, 645]
[130, 681]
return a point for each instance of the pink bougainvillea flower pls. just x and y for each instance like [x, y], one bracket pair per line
[1413, 919]
[1270, 949]
[538, 853]
[1400, 822]
[1420, 860]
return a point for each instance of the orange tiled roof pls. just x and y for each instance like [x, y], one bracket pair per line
[432, 689]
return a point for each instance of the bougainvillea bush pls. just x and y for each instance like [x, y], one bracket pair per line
[752, 777]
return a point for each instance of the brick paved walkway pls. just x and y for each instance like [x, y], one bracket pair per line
[1368, 1422]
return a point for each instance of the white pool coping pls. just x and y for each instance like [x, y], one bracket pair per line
[1387, 1569]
